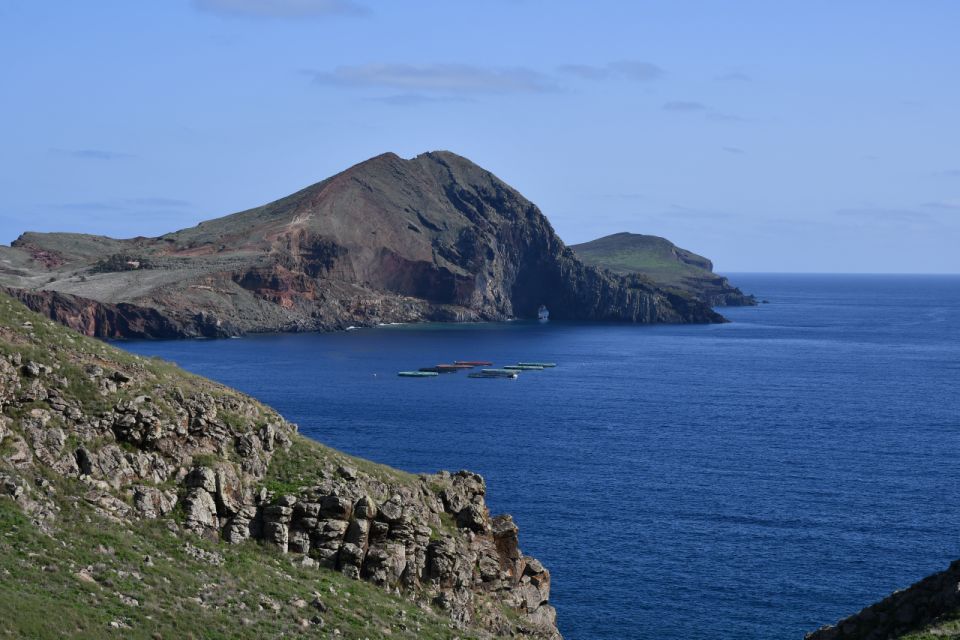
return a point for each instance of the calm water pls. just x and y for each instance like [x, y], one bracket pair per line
[749, 480]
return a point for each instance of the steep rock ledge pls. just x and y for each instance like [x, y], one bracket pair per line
[134, 439]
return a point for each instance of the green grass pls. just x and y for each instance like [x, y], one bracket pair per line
[42, 593]
[651, 256]
[948, 628]
[304, 462]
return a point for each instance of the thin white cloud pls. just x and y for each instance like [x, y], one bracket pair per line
[734, 150]
[281, 8]
[951, 205]
[438, 78]
[884, 215]
[684, 106]
[637, 70]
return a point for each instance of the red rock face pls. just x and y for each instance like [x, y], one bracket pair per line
[102, 320]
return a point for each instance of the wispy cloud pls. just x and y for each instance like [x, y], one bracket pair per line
[152, 205]
[734, 150]
[416, 99]
[87, 206]
[734, 77]
[282, 8]
[884, 215]
[951, 205]
[438, 78]
[684, 106]
[636, 70]
[92, 154]
[726, 117]
[950, 173]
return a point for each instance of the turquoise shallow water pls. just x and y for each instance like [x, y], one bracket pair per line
[749, 480]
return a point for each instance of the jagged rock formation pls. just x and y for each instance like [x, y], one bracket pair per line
[916, 609]
[665, 264]
[88, 431]
[389, 240]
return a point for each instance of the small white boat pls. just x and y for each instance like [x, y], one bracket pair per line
[543, 314]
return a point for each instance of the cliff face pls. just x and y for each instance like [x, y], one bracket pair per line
[927, 609]
[92, 438]
[665, 264]
[389, 240]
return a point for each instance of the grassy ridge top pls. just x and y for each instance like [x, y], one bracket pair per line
[653, 256]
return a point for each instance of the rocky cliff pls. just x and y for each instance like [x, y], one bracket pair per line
[135, 496]
[927, 609]
[389, 240]
[665, 264]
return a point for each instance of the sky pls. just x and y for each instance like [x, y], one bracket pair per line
[787, 136]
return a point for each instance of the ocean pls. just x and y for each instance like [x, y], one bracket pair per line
[755, 479]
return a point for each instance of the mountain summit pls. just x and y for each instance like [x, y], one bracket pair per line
[435, 237]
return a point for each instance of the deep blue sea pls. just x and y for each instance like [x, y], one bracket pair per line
[749, 480]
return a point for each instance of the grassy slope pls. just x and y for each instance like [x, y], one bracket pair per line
[44, 594]
[77, 582]
[946, 629]
[649, 255]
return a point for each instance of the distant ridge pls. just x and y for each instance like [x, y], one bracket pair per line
[435, 237]
[665, 264]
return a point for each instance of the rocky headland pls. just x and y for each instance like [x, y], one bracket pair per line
[665, 264]
[432, 238]
[140, 500]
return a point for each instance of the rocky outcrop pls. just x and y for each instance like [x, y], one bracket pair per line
[134, 439]
[389, 240]
[665, 264]
[122, 320]
[911, 609]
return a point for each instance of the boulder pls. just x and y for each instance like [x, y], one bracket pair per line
[277, 534]
[151, 502]
[200, 512]
[336, 507]
[365, 508]
[202, 478]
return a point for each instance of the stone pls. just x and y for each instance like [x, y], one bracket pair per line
[357, 533]
[474, 518]
[151, 502]
[365, 508]
[277, 534]
[335, 507]
[350, 555]
[299, 540]
[33, 369]
[202, 478]
[287, 500]
[307, 510]
[392, 510]
[278, 513]
[347, 472]
[230, 494]
[200, 512]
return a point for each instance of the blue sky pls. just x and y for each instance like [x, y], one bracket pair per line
[769, 136]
